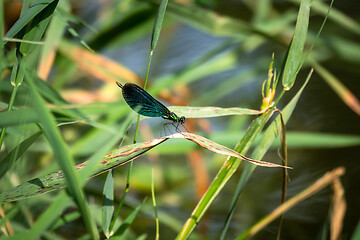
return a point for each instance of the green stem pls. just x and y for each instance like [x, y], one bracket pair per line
[146, 78]
[18, 79]
[154, 204]
[127, 187]
[131, 163]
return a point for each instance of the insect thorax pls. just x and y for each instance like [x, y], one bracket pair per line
[175, 118]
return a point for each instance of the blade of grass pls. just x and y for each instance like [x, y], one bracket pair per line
[11, 158]
[70, 17]
[62, 156]
[16, 80]
[282, 134]
[223, 176]
[356, 234]
[74, 33]
[324, 181]
[2, 57]
[53, 36]
[5, 218]
[46, 219]
[158, 25]
[207, 112]
[337, 16]
[27, 16]
[37, 27]
[295, 55]
[339, 88]
[127, 187]
[55, 180]
[266, 141]
[93, 162]
[107, 209]
[337, 209]
[157, 235]
[129, 220]
[155, 36]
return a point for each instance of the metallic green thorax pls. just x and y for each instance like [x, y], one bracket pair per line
[175, 118]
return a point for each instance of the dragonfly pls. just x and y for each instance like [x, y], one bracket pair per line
[143, 103]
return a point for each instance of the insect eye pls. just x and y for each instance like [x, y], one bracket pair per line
[182, 119]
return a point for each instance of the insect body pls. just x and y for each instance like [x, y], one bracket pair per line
[143, 103]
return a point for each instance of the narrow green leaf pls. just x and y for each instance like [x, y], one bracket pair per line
[53, 37]
[16, 80]
[207, 112]
[18, 117]
[16, 153]
[17, 76]
[326, 180]
[65, 218]
[356, 234]
[295, 54]
[339, 88]
[108, 203]
[345, 49]
[62, 155]
[271, 132]
[2, 58]
[338, 16]
[25, 18]
[123, 155]
[158, 24]
[47, 218]
[37, 27]
[127, 222]
[223, 176]
[74, 33]
[207, 20]
[55, 180]
[265, 143]
[157, 235]
[70, 17]
[319, 140]
[8, 216]
[142, 237]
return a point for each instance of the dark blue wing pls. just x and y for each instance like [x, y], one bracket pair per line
[142, 102]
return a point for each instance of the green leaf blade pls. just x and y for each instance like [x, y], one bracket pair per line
[295, 54]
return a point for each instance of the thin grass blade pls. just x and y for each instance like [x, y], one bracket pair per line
[2, 58]
[123, 155]
[16, 153]
[266, 141]
[322, 182]
[52, 38]
[295, 54]
[37, 27]
[127, 222]
[46, 219]
[208, 112]
[356, 234]
[17, 117]
[158, 25]
[62, 155]
[339, 88]
[26, 17]
[108, 203]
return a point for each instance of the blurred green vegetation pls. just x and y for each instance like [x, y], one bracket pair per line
[60, 106]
